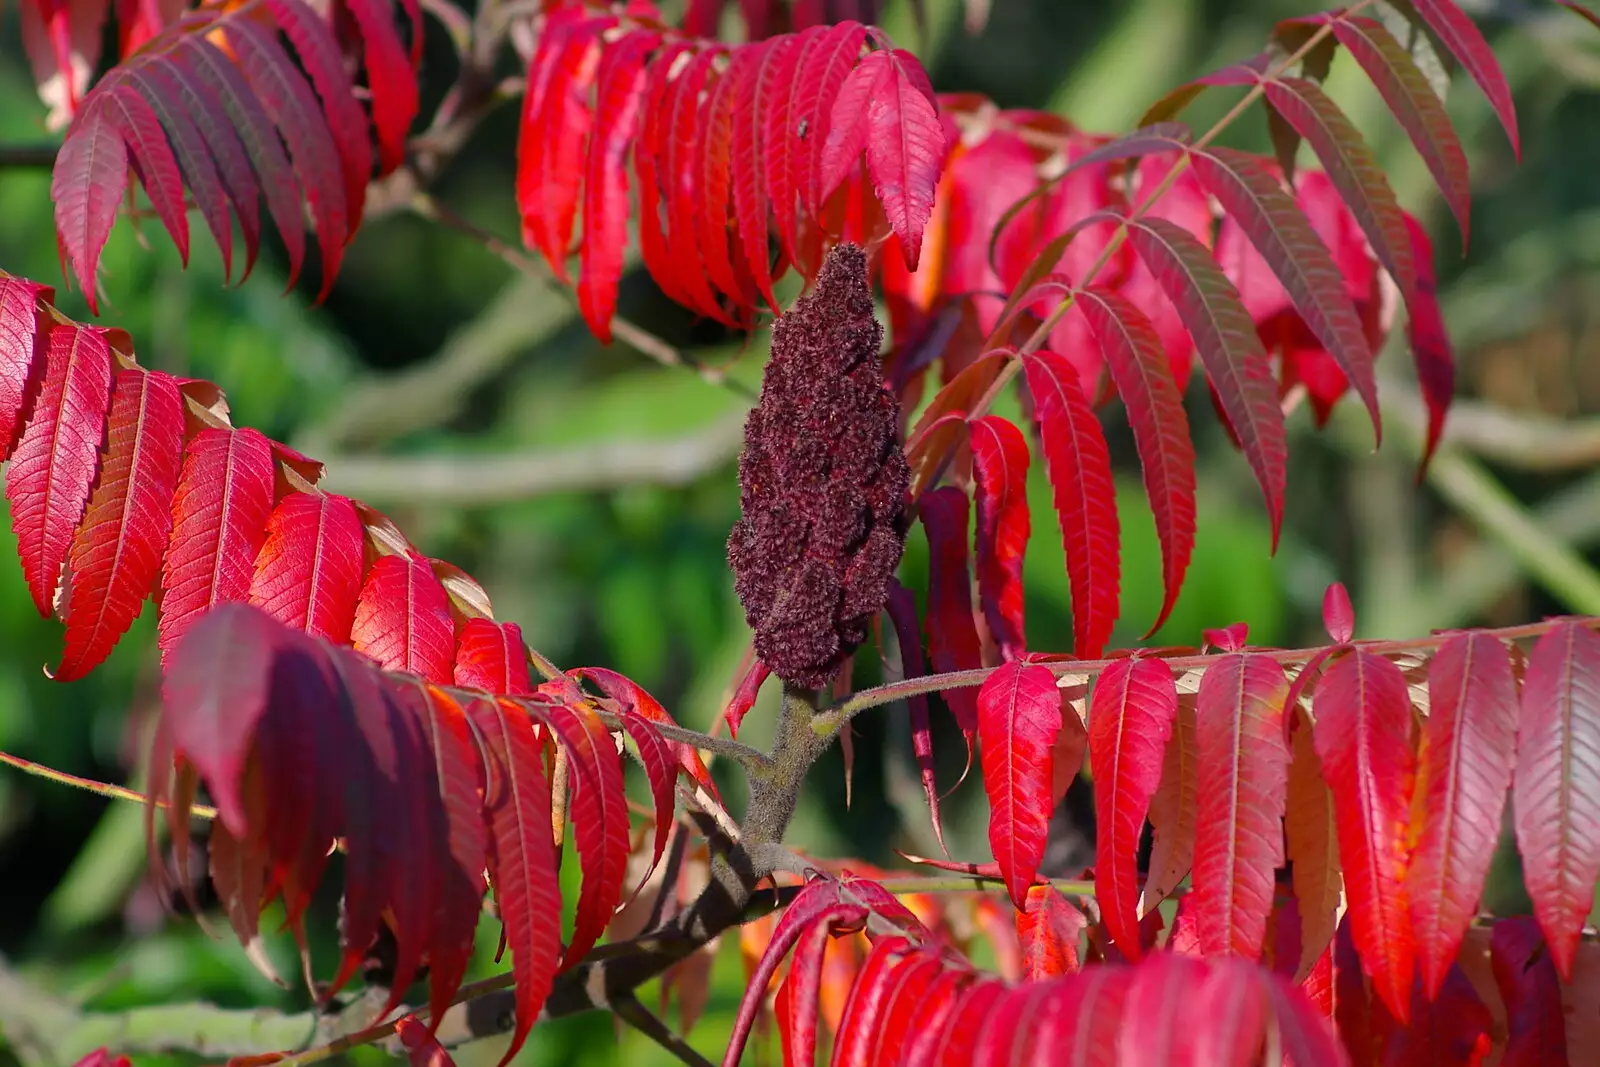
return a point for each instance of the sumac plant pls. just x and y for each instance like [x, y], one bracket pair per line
[1323, 817]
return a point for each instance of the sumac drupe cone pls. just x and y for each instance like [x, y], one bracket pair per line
[822, 482]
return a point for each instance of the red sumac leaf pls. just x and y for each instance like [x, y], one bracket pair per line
[492, 657]
[1049, 929]
[1283, 235]
[391, 75]
[1229, 347]
[1079, 465]
[758, 66]
[402, 620]
[422, 1048]
[1463, 773]
[1143, 376]
[1338, 617]
[522, 861]
[308, 573]
[20, 334]
[828, 67]
[1160, 1020]
[1000, 473]
[822, 903]
[1430, 342]
[1130, 720]
[1242, 758]
[952, 632]
[1312, 844]
[1363, 738]
[634, 700]
[1173, 809]
[1019, 716]
[86, 185]
[116, 553]
[902, 612]
[1465, 41]
[905, 145]
[599, 815]
[1531, 991]
[58, 457]
[619, 84]
[1412, 100]
[219, 522]
[1556, 791]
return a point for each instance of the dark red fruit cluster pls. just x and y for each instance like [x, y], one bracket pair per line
[822, 482]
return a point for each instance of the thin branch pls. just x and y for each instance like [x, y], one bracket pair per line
[90, 785]
[633, 335]
[636, 1015]
[1076, 671]
[29, 155]
[478, 480]
[1516, 439]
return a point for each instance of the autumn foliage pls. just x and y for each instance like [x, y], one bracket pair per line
[1323, 819]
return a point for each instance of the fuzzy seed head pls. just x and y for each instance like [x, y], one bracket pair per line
[822, 482]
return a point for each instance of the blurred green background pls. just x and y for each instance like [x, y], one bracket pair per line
[446, 391]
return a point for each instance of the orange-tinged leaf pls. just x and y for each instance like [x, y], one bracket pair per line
[1312, 846]
[1079, 465]
[1283, 235]
[55, 463]
[1019, 716]
[403, 621]
[1229, 347]
[1556, 791]
[522, 861]
[1049, 929]
[1463, 773]
[308, 573]
[422, 1048]
[1143, 377]
[1363, 738]
[1130, 720]
[1173, 809]
[1000, 474]
[116, 552]
[1239, 746]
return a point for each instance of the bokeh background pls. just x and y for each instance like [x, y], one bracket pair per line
[590, 490]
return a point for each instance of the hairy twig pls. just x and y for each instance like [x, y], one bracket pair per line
[1076, 671]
